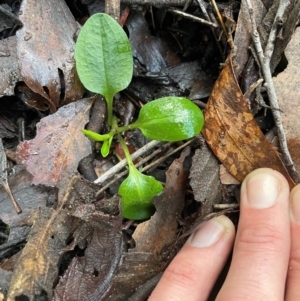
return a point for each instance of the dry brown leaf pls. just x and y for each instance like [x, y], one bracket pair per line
[160, 231]
[52, 156]
[232, 133]
[226, 177]
[46, 51]
[288, 94]
[204, 179]
[242, 36]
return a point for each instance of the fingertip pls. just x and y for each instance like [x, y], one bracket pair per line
[295, 204]
[211, 231]
[196, 267]
[261, 188]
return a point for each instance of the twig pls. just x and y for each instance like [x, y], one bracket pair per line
[160, 3]
[225, 206]
[202, 5]
[283, 5]
[220, 18]
[141, 162]
[111, 172]
[112, 8]
[189, 16]
[264, 60]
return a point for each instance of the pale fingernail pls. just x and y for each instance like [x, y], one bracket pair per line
[295, 204]
[208, 233]
[262, 189]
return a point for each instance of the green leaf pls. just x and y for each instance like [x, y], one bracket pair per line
[170, 119]
[137, 192]
[95, 136]
[105, 148]
[103, 56]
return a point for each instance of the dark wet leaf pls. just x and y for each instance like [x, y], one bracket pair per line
[46, 51]
[37, 268]
[150, 54]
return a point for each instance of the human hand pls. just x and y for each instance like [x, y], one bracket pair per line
[266, 257]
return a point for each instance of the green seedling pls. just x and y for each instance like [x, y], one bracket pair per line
[105, 66]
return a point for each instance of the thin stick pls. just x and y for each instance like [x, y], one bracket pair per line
[112, 8]
[220, 18]
[111, 172]
[159, 160]
[269, 85]
[160, 3]
[225, 206]
[189, 16]
[202, 5]
[17, 207]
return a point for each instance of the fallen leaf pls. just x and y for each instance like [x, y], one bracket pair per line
[242, 35]
[9, 71]
[151, 54]
[52, 156]
[46, 51]
[89, 277]
[37, 268]
[205, 180]
[161, 230]
[226, 178]
[232, 133]
[287, 90]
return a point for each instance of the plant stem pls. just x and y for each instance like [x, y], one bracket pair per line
[126, 152]
[109, 101]
[125, 128]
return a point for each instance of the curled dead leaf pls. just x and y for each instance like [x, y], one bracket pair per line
[233, 134]
[45, 48]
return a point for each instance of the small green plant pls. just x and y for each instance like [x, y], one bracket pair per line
[105, 66]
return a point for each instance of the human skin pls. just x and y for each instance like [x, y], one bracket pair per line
[266, 250]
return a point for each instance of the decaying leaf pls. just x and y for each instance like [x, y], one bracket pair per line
[160, 231]
[52, 156]
[205, 180]
[232, 133]
[288, 94]
[242, 36]
[37, 268]
[9, 71]
[226, 178]
[46, 51]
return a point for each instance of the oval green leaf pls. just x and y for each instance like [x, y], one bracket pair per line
[95, 136]
[103, 56]
[170, 119]
[137, 192]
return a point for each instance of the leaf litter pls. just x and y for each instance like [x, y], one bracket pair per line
[79, 223]
[52, 156]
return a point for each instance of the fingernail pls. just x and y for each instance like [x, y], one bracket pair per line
[262, 189]
[295, 204]
[208, 233]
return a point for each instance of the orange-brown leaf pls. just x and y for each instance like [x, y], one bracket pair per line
[233, 134]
